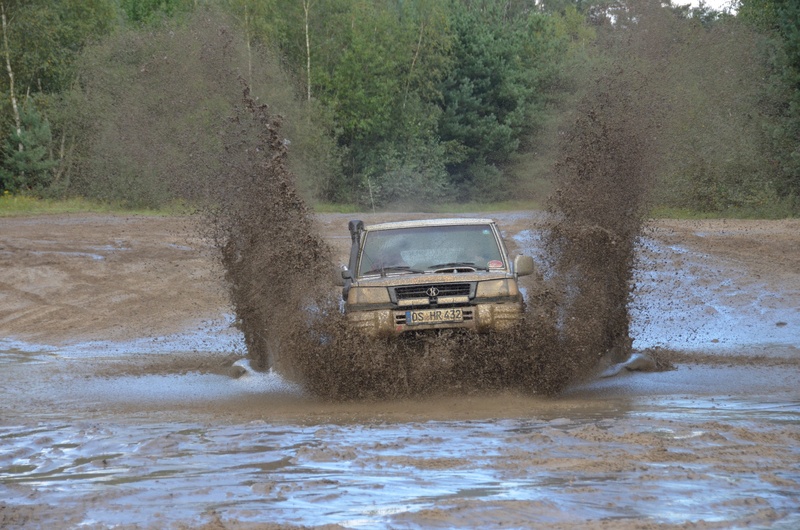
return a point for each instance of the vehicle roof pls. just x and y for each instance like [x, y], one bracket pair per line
[428, 222]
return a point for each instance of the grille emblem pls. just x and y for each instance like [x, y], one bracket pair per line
[432, 292]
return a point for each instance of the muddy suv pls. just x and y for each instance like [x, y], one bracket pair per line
[432, 274]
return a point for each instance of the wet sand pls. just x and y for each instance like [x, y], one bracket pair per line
[122, 405]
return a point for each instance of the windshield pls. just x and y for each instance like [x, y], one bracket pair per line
[429, 248]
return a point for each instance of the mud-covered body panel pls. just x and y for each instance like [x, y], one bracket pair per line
[480, 295]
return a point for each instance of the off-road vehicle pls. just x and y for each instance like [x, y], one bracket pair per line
[431, 274]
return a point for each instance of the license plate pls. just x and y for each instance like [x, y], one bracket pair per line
[433, 316]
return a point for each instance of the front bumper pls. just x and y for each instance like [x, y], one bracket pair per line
[478, 317]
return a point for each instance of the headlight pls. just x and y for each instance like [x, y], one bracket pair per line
[368, 295]
[496, 288]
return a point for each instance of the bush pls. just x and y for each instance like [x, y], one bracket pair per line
[27, 162]
[413, 175]
[152, 106]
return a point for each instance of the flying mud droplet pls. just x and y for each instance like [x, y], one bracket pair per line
[598, 213]
[279, 269]
[275, 262]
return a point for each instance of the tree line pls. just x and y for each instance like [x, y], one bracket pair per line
[388, 102]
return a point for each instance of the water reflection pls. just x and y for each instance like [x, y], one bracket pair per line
[372, 475]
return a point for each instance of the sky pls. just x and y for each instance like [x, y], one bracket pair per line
[719, 5]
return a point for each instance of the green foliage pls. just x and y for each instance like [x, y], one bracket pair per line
[407, 174]
[27, 163]
[761, 14]
[16, 205]
[482, 104]
[713, 153]
[381, 89]
[496, 91]
[374, 71]
[152, 105]
[149, 11]
[45, 38]
[780, 19]
[396, 101]
[466, 82]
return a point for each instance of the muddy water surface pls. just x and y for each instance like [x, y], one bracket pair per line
[175, 429]
[161, 449]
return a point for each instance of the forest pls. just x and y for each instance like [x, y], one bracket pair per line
[397, 103]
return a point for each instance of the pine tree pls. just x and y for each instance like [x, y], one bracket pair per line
[26, 161]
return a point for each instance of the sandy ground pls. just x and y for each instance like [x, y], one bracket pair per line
[78, 278]
[119, 409]
[75, 278]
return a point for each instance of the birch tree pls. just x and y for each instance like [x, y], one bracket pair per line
[10, 71]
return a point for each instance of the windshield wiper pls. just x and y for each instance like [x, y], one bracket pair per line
[457, 265]
[392, 268]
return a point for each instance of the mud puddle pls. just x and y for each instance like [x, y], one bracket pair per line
[525, 472]
[85, 442]
[688, 299]
[158, 433]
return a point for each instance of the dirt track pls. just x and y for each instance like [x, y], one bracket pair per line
[79, 278]
[117, 350]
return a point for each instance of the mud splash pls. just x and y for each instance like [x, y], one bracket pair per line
[598, 214]
[279, 274]
[279, 269]
[275, 262]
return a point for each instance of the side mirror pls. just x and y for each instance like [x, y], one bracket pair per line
[340, 275]
[524, 265]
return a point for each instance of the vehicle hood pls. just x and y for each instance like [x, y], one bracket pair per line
[423, 278]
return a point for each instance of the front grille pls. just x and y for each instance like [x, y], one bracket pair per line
[422, 291]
